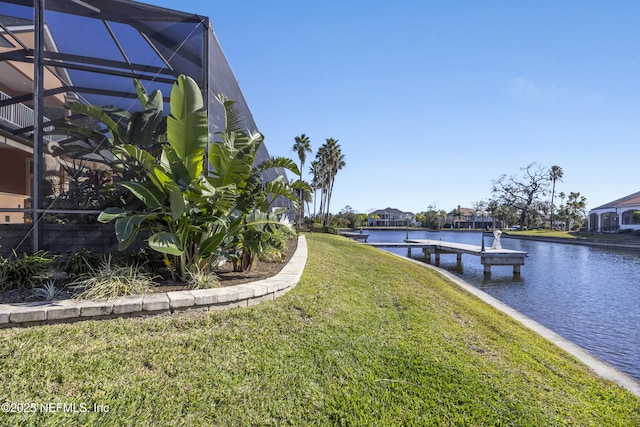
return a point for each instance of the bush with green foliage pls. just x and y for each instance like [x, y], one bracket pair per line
[195, 215]
[24, 271]
[80, 262]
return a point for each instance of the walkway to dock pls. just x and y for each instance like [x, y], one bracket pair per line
[488, 256]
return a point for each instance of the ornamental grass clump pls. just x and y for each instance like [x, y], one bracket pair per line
[110, 281]
[50, 292]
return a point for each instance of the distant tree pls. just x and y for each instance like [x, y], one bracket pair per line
[456, 214]
[523, 192]
[346, 210]
[302, 146]
[576, 210]
[316, 184]
[442, 216]
[479, 211]
[362, 219]
[555, 174]
[330, 160]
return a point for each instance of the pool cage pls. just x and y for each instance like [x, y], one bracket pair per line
[53, 52]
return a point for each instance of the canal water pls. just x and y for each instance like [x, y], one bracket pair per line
[589, 295]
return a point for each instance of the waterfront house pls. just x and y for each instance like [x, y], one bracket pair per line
[468, 218]
[391, 217]
[620, 214]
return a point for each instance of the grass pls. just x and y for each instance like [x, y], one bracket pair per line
[365, 338]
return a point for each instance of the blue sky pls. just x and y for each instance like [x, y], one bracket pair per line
[431, 101]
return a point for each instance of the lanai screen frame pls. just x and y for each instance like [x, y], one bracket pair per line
[183, 43]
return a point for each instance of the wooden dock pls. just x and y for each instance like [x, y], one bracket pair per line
[354, 236]
[488, 257]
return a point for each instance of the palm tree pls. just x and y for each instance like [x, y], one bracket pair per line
[302, 146]
[555, 174]
[316, 172]
[329, 160]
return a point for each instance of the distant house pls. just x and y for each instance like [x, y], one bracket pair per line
[391, 217]
[617, 215]
[468, 218]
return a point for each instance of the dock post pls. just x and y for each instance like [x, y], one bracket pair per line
[438, 258]
[487, 269]
[409, 252]
[459, 258]
[427, 255]
[516, 269]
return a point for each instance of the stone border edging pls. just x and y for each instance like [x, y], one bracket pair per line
[247, 294]
[599, 366]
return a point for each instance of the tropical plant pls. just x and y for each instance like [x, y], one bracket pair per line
[190, 213]
[251, 217]
[95, 132]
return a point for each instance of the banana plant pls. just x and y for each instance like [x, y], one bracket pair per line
[253, 221]
[185, 218]
[145, 129]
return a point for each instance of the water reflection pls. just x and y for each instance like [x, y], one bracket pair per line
[589, 295]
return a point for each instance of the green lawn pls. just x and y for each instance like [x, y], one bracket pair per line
[365, 338]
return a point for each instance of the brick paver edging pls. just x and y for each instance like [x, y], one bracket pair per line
[248, 294]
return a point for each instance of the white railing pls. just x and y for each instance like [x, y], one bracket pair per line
[16, 114]
[22, 116]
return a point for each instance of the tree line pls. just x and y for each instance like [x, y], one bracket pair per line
[329, 160]
[528, 199]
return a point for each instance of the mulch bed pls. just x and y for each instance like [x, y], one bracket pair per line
[225, 274]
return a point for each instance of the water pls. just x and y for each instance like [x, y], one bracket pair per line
[588, 295]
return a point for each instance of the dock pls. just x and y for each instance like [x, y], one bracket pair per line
[354, 236]
[488, 256]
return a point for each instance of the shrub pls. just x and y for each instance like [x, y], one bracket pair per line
[81, 262]
[24, 271]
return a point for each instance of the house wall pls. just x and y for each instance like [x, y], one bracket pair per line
[13, 171]
[8, 200]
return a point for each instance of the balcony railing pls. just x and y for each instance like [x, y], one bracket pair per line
[20, 116]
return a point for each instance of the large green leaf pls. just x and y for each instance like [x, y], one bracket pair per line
[166, 243]
[110, 214]
[208, 246]
[143, 157]
[171, 162]
[187, 126]
[232, 160]
[149, 194]
[278, 162]
[176, 197]
[127, 228]
[102, 114]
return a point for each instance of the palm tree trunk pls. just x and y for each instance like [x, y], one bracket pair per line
[553, 193]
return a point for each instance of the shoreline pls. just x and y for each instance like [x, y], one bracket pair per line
[598, 365]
